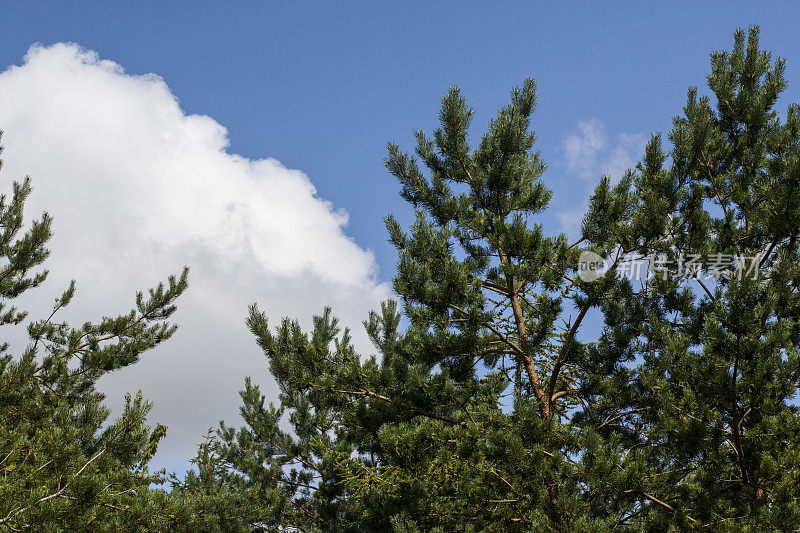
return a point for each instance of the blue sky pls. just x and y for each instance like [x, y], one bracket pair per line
[320, 88]
[323, 86]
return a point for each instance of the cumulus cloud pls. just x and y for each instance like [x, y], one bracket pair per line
[138, 189]
[589, 155]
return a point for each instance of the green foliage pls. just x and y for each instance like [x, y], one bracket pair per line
[705, 419]
[492, 411]
[60, 468]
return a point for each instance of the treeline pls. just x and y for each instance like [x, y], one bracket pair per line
[496, 408]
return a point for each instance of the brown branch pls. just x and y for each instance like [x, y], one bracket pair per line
[565, 392]
[562, 353]
[493, 287]
[658, 502]
[427, 414]
[527, 360]
[705, 289]
[611, 419]
[56, 494]
[576, 243]
[737, 423]
[494, 330]
[768, 252]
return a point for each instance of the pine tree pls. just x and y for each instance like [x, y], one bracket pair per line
[695, 380]
[492, 410]
[60, 469]
[459, 420]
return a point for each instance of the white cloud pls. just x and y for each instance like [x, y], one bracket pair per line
[138, 189]
[582, 150]
[588, 155]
